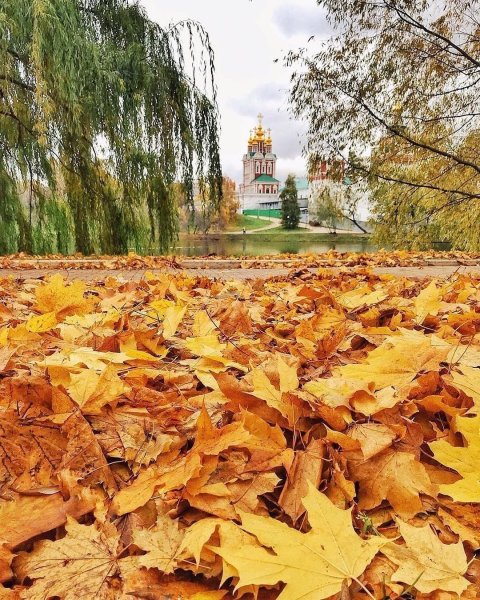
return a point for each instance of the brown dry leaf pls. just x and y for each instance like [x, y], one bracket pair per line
[162, 544]
[372, 438]
[30, 451]
[133, 435]
[6, 558]
[394, 476]
[236, 320]
[306, 468]
[25, 517]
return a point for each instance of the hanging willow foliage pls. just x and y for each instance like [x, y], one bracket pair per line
[104, 109]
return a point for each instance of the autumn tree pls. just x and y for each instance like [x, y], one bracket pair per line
[397, 87]
[290, 208]
[324, 208]
[229, 205]
[102, 108]
[204, 216]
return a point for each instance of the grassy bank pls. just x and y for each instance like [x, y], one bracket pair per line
[303, 235]
[247, 222]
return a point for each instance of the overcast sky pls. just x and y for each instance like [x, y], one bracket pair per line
[247, 37]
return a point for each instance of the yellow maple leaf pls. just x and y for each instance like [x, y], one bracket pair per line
[313, 565]
[91, 391]
[427, 302]
[41, 323]
[202, 324]
[211, 351]
[162, 544]
[78, 566]
[463, 460]
[213, 595]
[427, 564]
[63, 299]
[394, 363]
[363, 296]
[469, 382]
[173, 318]
[273, 396]
[92, 359]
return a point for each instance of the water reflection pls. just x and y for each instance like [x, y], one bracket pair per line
[250, 246]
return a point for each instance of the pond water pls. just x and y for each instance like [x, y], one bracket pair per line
[249, 245]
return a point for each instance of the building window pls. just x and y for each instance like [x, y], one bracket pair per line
[268, 190]
[263, 167]
[269, 168]
[257, 167]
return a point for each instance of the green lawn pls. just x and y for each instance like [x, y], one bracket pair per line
[304, 235]
[248, 222]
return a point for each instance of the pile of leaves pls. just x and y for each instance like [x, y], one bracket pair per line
[332, 258]
[177, 437]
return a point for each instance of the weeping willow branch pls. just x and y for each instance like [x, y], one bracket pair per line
[103, 110]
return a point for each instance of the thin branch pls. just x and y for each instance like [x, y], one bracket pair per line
[14, 81]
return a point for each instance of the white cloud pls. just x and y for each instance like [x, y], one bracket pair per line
[271, 101]
[298, 19]
[246, 43]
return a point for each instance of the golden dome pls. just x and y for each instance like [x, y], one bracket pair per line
[259, 134]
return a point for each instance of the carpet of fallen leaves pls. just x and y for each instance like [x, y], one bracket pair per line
[132, 261]
[297, 438]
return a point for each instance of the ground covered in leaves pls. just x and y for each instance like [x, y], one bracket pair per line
[301, 438]
[132, 261]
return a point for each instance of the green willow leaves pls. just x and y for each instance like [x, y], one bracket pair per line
[101, 111]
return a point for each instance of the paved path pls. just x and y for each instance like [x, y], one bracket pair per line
[439, 272]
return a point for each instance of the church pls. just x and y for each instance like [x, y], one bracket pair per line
[260, 189]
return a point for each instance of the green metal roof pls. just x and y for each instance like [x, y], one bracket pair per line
[250, 154]
[301, 183]
[266, 179]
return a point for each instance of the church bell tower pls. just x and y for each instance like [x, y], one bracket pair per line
[259, 189]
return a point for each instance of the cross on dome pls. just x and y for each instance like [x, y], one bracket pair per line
[260, 137]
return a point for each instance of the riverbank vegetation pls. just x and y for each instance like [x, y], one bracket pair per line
[101, 112]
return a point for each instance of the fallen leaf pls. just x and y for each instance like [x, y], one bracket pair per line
[82, 564]
[379, 480]
[425, 563]
[464, 460]
[313, 565]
